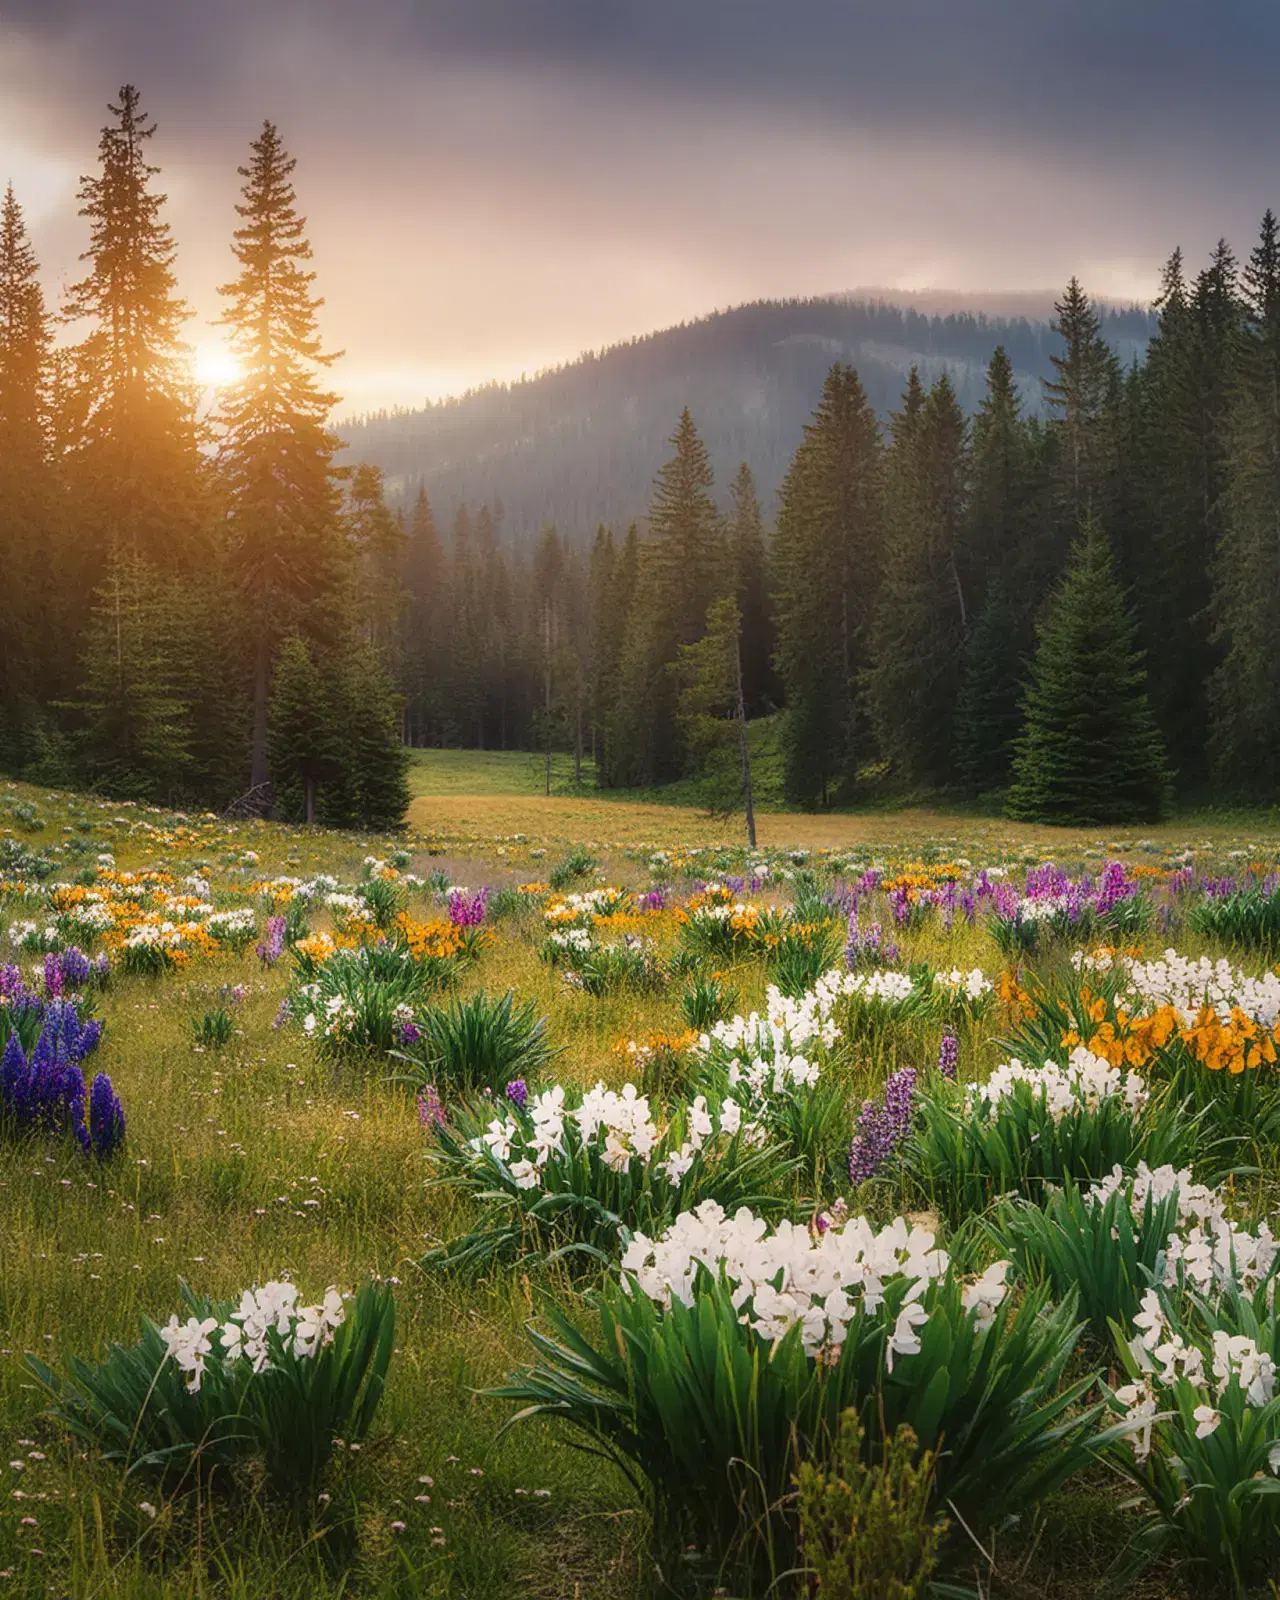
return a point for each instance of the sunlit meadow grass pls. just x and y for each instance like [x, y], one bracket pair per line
[262, 1158]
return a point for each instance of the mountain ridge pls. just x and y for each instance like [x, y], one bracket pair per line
[579, 444]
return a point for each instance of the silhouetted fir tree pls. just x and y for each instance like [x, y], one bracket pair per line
[989, 710]
[1082, 397]
[277, 456]
[133, 736]
[681, 569]
[825, 564]
[375, 761]
[30, 613]
[1090, 751]
[749, 558]
[304, 748]
[713, 714]
[611, 629]
[994, 520]
[466, 653]
[920, 622]
[135, 464]
[377, 539]
[600, 574]
[425, 626]
[1245, 690]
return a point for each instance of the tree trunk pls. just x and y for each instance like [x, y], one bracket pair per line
[310, 789]
[546, 640]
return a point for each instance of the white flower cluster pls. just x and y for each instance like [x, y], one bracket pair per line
[1084, 1084]
[232, 925]
[972, 986]
[620, 1121]
[1188, 986]
[92, 916]
[306, 1330]
[882, 987]
[1197, 1203]
[580, 909]
[333, 1017]
[347, 908]
[31, 936]
[160, 935]
[573, 941]
[791, 1276]
[1101, 959]
[1165, 1358]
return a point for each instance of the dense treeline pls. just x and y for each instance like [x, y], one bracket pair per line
[158, 566]
[578, 446]
[1064, 596]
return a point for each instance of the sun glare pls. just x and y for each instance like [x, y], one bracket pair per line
[215, 367]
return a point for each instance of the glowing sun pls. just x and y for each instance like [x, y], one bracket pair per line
[215, 367]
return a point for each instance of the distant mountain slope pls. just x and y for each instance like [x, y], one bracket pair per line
[580, 445]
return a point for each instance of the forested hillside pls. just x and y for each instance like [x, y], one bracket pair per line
[578, 446]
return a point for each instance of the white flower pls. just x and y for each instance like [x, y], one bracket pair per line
[904, 1340]
[1207, 1420]
[187, 1344]
[986, 1295]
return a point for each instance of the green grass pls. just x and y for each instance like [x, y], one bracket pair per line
[501, 772]
[226, 1153]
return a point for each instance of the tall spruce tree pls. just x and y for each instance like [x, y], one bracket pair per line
[426, 626]
[277, 454]
[826, 569]
[29, 620]
[681, 572]
[1090, 751]
[132, 404]
[1082, 397]
[749, 558]
[1246, 686]
[921, 619]
[713, 713]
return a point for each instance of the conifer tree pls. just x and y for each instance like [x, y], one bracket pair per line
[1082, 396]
[826, 554]
[303, 742]
[132, 402]
[681, 570]
[989, 710]
[1090, 751]
[1246, 686]
[277, 453]
[994, 522]
[29, 619]
[426, 625]
[713, 713]
[611, 629]
[921, 620]
[134, 739]
[377, 539]
[375, 761]
[749, 556]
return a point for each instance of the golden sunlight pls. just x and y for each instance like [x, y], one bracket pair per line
[214, 366]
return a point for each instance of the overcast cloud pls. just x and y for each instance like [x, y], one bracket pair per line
[494, 185]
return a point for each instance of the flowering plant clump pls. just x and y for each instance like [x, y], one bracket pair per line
[360, 1000]
[723, 1345]
[599, 967]
[42, 1091]
[567, 1172]
[1200, 1430]
[237, 929]
[264, 1378]
[1026, 1127]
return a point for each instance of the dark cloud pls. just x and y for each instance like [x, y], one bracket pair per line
[493, 184]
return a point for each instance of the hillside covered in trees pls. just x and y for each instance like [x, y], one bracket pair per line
[577, 446]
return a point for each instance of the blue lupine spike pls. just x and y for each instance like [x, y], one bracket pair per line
[106, 1117]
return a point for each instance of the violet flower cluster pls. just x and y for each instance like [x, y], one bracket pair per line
[43, 1090]
[467, 910]
[271, 947]
[881, 1129]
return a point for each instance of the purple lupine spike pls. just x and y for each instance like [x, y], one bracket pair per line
[431, 1112]
[518, 1093]
[52, 976]
[949, 1054]
[106, 1118]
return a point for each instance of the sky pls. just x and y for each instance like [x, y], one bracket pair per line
[493, 186]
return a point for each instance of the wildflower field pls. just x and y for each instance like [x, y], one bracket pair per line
[530, 1204]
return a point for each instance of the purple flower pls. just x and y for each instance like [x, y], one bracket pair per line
[431, 1113]
[52, 977]
[467, 911]
[881, 1129]
[949, 1054]
[518, 1093]
[655, 899]
[272, 946]
[106, 1118]
[282, 1016]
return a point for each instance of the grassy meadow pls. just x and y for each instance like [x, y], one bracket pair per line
[271, 1156]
